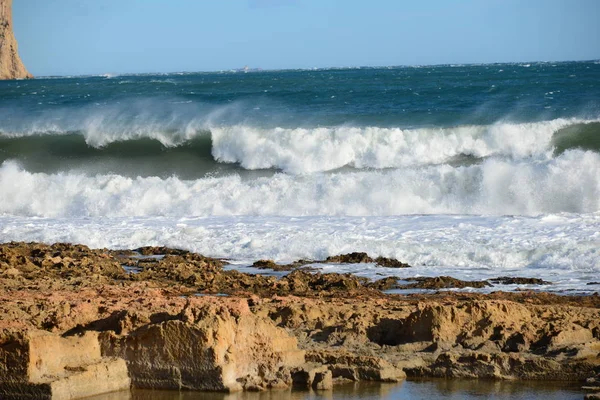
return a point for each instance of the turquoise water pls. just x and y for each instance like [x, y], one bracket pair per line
[473, 171]
[160, 125]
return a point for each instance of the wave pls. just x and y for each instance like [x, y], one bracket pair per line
[295, 151]
[568, 183]
[303, 150]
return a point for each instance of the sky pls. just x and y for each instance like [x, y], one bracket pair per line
[77, 37]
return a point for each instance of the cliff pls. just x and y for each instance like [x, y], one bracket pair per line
[11, 66]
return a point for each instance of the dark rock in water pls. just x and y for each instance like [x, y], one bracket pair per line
[160, 250]
[390, 263]
[301, 282]
[359, 258]
[593, 283]
[509, 280]
[442, 282]
[350, 258]
[388, 283]
[265, 264]
[270, 264]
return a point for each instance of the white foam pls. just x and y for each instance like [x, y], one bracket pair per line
[299, 150]
[322, 149]
[568, 183]
[561, 248]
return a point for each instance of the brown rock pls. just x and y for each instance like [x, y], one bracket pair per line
[206, 348]
[323, 381]
[46, 366]
[442, 282]
[350, 258]
[508, 280]
[11, 66]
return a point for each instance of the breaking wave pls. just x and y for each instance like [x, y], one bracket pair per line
[567, 183]
[298, 150]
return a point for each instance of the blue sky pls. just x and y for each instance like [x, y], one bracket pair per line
[68, 37]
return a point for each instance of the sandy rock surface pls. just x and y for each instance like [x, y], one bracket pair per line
[177, 320]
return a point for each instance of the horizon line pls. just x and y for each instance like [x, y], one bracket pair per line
[259, 69]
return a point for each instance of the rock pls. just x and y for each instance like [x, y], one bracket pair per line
[388, 283]
[11, 66]
[442, 282]
[323, 381]
[205, 348]
[47, 366]
[350, 366]
[592, 396]
[516, 343]
[567, 337]
[359, 258]
[265, 264]
[312, 376]
[256, 338]
[350, 258]
[507, 280]
[390, 263]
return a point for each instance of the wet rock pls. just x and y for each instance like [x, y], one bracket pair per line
[358, 258]
[313, 376]
[350, 258]
[508, 280]
[442, 282]
[353, 367]
[388, 283]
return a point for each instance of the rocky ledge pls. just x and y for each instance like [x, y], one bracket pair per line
[76, 322]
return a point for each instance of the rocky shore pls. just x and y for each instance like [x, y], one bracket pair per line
[76, 322]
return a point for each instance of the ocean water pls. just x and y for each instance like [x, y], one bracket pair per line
[473, 171]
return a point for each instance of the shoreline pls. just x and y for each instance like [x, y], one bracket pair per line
[180, 321]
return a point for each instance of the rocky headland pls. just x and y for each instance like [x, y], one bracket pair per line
[11, 66]
[76, 322]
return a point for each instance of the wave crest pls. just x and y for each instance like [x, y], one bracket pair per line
[568, 183]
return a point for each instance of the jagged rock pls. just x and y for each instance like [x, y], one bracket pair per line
[390, 263]
[388, 283]
[349, 366]
[508, 280]
[323, 381]
[206, 348]
[350, 258]
[442, 282]
[313, 376]
[156, 321]
[11, 66]
[358, 258]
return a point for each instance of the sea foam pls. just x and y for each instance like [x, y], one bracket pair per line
[303, 150]
[567, 183]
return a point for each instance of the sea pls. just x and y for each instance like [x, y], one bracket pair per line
[471, 171]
